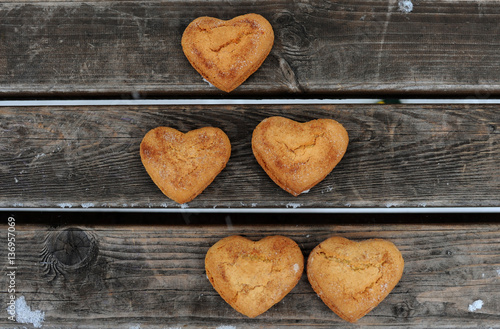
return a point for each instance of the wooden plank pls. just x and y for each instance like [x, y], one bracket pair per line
[153, 276]
[341, 48]
[398, 156]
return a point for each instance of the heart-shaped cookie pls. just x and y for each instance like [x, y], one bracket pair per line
[226, 53]
[353, 277]
[253, 276]
[296, 155]
[183, 165]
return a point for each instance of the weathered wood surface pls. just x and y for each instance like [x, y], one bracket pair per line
[398, 156]
[154, 277]
[102, 48]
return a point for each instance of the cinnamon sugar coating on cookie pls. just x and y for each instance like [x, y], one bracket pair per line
[297, 156]
[354, 277]
[183, 165]
[226, 53]
[253, 276]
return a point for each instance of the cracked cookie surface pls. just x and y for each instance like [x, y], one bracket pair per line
[226, 53]
[183, 165]
[252, 276]
[297, 156]
[354, 277]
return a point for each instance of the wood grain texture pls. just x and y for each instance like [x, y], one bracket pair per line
[154, 277]
[341, 48]
[398, 156]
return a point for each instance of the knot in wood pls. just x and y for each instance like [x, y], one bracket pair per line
[292, 34]
[403, 310]
[69, 250]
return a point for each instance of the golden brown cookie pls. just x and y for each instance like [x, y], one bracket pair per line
[354, 277]
[226, 53]
[296, 155]
[183, 165]
[253, 276]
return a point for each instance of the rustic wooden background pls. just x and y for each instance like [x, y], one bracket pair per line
[126, 270]
[398, 156]
[152, 276]
[341, 48]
